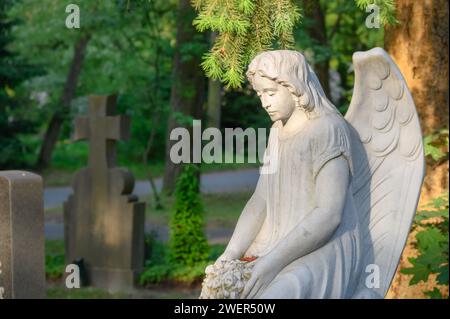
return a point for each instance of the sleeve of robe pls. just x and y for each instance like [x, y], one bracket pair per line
[330, 140]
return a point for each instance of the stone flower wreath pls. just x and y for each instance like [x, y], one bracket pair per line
[226, 279]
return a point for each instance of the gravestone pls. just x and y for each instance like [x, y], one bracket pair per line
[104, 223]
[22, 262]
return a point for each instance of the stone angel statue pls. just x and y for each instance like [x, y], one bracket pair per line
[332, 220]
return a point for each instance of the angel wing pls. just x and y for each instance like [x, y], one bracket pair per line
[388, 163]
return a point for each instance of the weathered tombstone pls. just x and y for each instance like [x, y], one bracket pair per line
[22, 262]
[104, 224]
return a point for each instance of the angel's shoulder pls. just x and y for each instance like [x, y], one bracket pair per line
[330, 124]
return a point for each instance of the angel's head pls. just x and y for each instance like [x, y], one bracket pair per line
[284, 81]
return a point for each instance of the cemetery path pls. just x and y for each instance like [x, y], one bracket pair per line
[215, 182]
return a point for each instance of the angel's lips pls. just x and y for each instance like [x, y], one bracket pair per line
[248, 259]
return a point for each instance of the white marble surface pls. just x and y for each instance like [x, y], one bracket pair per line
[332, 220]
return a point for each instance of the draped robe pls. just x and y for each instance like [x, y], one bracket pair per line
[332, 270]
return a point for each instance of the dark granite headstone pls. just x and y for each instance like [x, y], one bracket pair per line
[104, 224]
[22, 252]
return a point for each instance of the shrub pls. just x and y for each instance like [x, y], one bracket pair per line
[188, 244]
[432, 226]
[159, 268]
[432, 244]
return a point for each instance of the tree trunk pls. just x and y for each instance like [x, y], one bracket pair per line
[317, 31]
[52, 134]
[188, 85]
[419, 46]
[214, 103]
[214, 97]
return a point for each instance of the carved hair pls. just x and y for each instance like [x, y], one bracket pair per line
[290, 69]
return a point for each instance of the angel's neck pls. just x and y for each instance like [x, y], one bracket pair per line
[297, 120]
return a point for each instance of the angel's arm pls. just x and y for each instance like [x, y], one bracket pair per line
[317, 228]
[248, 226]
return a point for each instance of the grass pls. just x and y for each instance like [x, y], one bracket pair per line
[82, 293]
[156, 292]
[221, 209]
[165, 279]
[54, 259]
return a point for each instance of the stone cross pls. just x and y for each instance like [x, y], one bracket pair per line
[102, 129]
[104, 223]
[22, 252]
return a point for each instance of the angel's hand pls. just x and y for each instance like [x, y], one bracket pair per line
[263, 272]
[227, 256]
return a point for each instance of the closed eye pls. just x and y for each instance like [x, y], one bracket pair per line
[269, 92]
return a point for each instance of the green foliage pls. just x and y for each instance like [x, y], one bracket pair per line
[54, 259]
[17, 117]
[130, 54]
[346, 33]
[188, 244]
[54, 266]
[387, 9]
[241, 108]
[436, 144]
[160, 268]
[245, 28]
[432, 244]
[432, 225]
[434, 294]
[174, 273]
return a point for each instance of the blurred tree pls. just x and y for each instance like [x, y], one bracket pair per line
[329, 43]
[156, 88]
[419, 45]
[188, 84]
[214, 96]
[44, 32]
[316, 29]
[121, 47]
[52, 133]
[15, 119]
[135, 60]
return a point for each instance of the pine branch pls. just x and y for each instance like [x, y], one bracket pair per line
[387, 9]
[245, 28]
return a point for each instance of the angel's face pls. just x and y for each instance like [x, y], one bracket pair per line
[275, 98]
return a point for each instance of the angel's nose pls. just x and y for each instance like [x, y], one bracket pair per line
[266, 106]
[265, 102]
